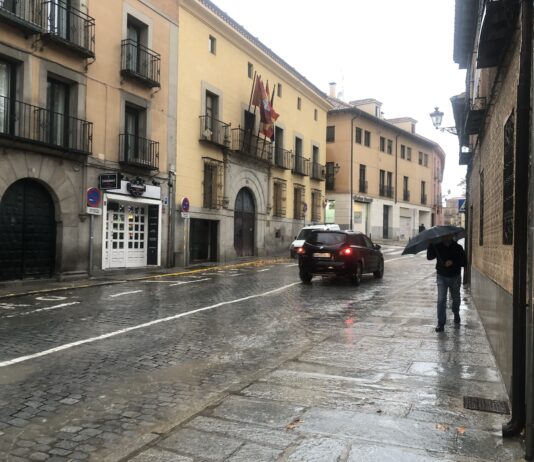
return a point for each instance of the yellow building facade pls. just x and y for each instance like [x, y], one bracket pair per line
[240, 193]
[382, 178]
[88, 96]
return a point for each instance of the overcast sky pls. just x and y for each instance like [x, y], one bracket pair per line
[398, 52]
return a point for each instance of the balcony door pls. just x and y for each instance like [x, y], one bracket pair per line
[58, 107]
[6, 83]
[131, 129]
[58, 18]
[244, 223]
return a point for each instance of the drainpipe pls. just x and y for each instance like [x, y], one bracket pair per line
[516, 424]
[351, 202]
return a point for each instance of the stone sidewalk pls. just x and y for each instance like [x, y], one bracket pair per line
[383, 387]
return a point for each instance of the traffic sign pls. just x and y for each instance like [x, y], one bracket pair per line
[185, 204]
[93, 211]
[93, 197]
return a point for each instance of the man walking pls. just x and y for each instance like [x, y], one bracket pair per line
[450, 258]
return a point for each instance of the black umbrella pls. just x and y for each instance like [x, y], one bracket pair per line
[432, 236]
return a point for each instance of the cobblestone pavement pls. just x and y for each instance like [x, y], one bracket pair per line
[247, 364]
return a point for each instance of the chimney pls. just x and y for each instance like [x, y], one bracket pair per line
[332, 89]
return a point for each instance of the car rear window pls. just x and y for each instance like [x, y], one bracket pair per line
[327, 238]
[305, 233]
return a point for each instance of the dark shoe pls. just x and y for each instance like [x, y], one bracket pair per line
[457, 319]
[439, 328]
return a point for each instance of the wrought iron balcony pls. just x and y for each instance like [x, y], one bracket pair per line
[476, 112]
[140, 63]
[406, 195]
[244, 142]
[362, 186]
[24, 14]
[318, 171]
[282, 158]
[68, 26]
[36, 125]
[301, 166]
[423, 199]
[214, 131]
[386, 191]
[139, 152]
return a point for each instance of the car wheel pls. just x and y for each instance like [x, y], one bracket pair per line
[305, 277]
[357, 275]
[380, 271]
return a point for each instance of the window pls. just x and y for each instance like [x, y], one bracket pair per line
[405, 189]
[425, 160]
[137, 38]
[7, 90]
[403, 151]
[420, 158]
[316, 205]
[212, 44]
[134, 148]
[390, 147]
[481, 217]
[279, 90]
[250, 70]
[367, 139]
[382, 144]
[212, 184]
[279, 198]
[330, 176]
[298, 146]
[358, 135]
[299, 103]
[363, 183]
[57, 102]
[298, 202]
[330, 133]
[408, 153]
[423, 192]
[212, 111]
[508, 183]
[315, 114]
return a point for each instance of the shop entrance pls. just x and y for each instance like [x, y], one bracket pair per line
[203, 240]
[27, 232]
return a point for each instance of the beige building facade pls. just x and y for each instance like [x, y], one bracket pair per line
[88, 96]
[393, 184]
[239, 192]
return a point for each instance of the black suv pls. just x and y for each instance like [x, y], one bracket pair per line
[339, 253]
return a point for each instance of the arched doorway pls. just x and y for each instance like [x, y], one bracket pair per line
[244, 223]
[27, 232]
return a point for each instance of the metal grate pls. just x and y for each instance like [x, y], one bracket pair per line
[486, 405]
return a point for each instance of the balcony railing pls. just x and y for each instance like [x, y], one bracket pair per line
[139, 152]
[362, 186]
[140, 63]
[406, 195]
[282, 158]
[423, 199]
[476, 112]
[25, 14]
[214, 131]
[246, 143]
[301, 166]
[318, 171]
[385, 191]
[32, 124]
[68, 26]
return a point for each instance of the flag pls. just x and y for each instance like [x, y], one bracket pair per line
[257, 93]
[267, 114]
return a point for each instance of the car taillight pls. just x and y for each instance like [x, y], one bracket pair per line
[300, 250]
[345, 251]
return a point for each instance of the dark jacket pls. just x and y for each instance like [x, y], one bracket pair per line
[454, 252]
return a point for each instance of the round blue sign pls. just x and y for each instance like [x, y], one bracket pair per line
[93, 197]
[305, 207]
[185, 204]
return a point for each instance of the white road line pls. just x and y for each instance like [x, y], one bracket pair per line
[234, 275]
[55, 307]
[291, 265]
[262, 270]
[188, 282]
[126, 293]
[393, 259]
[66, 346]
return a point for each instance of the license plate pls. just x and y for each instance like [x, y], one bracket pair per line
[321, 254]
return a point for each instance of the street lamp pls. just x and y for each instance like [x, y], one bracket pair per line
[437, 117]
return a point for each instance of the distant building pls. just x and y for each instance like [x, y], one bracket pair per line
[454, 211]
[396, 173]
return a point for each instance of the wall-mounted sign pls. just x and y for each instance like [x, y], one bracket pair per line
[136, 187]
[109, 181]
[93, 197]
[93, 210]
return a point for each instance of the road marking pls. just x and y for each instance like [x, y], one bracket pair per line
[55, 307]
[126, 293]
[21, 359]
[10, 306]
[188, 282]
[51, 298]
[261, 271]
[393, 259]
[292, 265]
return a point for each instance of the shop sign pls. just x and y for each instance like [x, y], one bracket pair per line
[109, 181]
[136, 187]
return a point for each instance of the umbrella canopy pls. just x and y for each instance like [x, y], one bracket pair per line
[432, 236]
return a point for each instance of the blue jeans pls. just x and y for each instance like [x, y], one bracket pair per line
[453, 285]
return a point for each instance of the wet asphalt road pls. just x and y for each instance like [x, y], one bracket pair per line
[103, 373]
